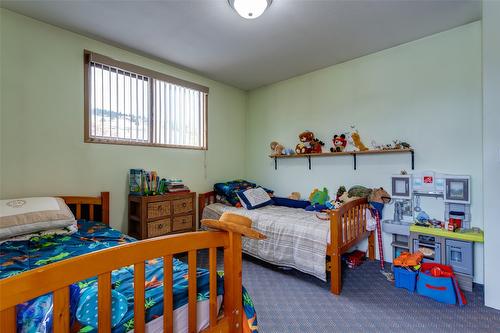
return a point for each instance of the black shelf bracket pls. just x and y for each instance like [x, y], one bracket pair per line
[412, 160]
[354, 159]
[309, 160]
[275, 163]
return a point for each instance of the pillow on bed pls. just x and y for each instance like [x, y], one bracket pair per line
[229, 190]
[254, 198]
[30, 215]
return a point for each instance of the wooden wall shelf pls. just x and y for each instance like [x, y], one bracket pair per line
[351, 153]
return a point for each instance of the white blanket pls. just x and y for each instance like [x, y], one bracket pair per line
[295, 238]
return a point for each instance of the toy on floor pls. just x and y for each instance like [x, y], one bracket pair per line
[339, 143]
[407, 259]
[355, 258]
[276, 148]
[439, 283]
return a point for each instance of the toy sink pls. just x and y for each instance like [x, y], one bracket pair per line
[396, 227]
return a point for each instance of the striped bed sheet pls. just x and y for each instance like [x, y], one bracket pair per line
[295, 238]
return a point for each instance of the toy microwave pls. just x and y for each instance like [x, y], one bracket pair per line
[453, 188]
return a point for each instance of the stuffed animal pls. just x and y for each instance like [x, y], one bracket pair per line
[356, 139]
[304, 147]
[319, 197]
[316, 145]
[288, 151]
[376, 197]
[294, 196]
[339, 143]
[276, 148]
[340, 191]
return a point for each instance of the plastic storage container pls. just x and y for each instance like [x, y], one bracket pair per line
[404, 278]
[441, 289]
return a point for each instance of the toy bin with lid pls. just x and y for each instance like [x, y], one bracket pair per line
[404, 278]
[440, 288]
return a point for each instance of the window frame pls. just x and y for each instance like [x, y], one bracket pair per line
[89, 56]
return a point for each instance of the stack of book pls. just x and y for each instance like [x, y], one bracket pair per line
[176, 185]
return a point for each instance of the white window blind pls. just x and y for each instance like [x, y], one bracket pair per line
[179, 115]
[119, 104]
[127, 104]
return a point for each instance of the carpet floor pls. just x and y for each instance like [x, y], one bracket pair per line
[288, 301]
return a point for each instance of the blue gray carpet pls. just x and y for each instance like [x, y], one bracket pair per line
[290, 301]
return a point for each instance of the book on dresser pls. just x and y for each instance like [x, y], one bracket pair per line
[159, 215]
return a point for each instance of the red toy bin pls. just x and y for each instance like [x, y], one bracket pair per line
[441, 289]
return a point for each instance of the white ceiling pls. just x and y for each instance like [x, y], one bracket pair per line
[293, 37]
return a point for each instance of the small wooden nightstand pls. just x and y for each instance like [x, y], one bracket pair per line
[158, 215]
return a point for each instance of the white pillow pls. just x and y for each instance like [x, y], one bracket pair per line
[254, 198]
[29, 215]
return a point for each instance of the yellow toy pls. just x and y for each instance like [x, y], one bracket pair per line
[357, 141]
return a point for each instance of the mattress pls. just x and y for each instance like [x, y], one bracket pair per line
[36, 315]
[295, 238]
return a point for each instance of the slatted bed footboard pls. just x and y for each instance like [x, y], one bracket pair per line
[57, 277]
[347, 228]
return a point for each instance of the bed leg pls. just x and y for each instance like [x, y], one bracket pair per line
[335, 274]
[371, 246]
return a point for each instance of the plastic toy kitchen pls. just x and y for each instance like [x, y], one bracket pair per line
[446, 240]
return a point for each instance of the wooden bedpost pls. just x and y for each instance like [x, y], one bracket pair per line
[235, 226]
[371, 246]
[105, 207]
[232, 282]
[335, 242]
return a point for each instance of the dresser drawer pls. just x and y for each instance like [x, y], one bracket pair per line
[158, 209]
[158, 228]
[182, 223]
[181, 206]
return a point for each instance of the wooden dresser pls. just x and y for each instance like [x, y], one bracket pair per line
[153, 216]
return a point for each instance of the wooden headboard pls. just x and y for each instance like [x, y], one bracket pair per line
[90, 208]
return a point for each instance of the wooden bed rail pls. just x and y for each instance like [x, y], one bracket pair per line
[84, 207]
[204, 199]
[57, 278]
[347, 228]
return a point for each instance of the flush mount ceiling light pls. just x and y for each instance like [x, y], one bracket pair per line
[250, 9]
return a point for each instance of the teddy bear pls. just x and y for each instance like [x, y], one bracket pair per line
[304, 147]
[276, 148]
[339, 143]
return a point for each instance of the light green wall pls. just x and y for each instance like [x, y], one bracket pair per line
[42, 149]
[427, 92]
[491, 137]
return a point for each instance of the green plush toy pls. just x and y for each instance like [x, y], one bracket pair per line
[319, 197]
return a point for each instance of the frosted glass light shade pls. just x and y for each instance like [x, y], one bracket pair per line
[250, 9]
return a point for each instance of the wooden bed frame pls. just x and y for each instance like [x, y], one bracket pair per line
[347, 228]
[58, 276]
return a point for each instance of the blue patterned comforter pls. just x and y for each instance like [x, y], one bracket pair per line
[36, 315]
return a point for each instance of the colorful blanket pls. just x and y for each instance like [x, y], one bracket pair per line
[36, 315]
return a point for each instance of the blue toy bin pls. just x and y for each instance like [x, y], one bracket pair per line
[441, 289]
[404, 278]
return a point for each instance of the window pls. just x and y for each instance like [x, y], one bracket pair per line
[127, 104]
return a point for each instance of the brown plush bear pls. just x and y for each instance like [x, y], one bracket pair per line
[304, 147]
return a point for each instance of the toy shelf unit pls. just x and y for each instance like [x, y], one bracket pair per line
[344, 153]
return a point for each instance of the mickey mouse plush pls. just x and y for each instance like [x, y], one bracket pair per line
[339, 143]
